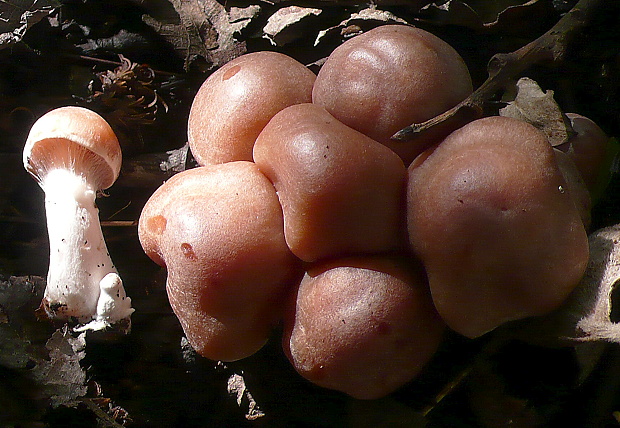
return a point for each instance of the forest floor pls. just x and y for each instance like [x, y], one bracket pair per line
[55, 52]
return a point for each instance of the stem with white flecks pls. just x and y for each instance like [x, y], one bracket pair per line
[79, 257]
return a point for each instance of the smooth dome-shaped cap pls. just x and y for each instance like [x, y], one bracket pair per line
[77, 139]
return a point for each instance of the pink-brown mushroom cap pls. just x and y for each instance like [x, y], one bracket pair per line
[341, 192]
[491, 219]
[390, 77]
[588, 148]
[234, 104]
[219, 232]
[77, 139]
[364, 326]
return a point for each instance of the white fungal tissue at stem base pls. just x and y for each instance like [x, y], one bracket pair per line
[81, 273]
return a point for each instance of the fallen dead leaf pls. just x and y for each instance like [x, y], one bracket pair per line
[531, 104]
[281, 26]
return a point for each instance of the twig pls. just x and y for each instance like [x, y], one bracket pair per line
[103, 417]
[504, 67]
[113, 63]
[481, 357]
[104, 223]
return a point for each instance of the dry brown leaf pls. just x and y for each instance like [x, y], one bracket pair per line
[491, 11]
[502, 15]
[204, 29]
[52, 364]
[586, 316]
[539, 108]
[600, 280]
[17, 16]
[286, 24]
[62, 377]
[358, 22]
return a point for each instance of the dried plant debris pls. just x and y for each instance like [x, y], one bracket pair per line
[63, 378]
[596, 291]
[237, 388]
[129, 93]
[550, 48]
[287, 24]
[528, 102]
[40, 367]
[151, 169]
[17, 16]
[18, 300]
[107, 412]
[203, 31]
[52, 363]
[588, 315]
[490, 12]
[129, 98]
[487, 15]
[358, 22]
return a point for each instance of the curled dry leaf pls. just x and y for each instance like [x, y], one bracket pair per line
[17, 16]
[494, 16]
[204, 29]
[365, 19]
[287, 24]
[529, 103]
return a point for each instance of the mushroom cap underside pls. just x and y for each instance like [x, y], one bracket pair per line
[77, 139]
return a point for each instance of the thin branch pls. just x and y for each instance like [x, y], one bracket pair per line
[504, 67]
[112, 63]
[105, 419]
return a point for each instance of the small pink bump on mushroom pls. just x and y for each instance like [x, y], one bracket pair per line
[73, 153]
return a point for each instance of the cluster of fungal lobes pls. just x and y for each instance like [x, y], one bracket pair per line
[304, 212]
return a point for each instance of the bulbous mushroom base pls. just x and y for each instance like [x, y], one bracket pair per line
[82, 282]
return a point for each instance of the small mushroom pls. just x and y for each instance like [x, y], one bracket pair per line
[73, 153]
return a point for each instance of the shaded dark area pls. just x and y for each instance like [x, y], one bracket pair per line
[149, 378]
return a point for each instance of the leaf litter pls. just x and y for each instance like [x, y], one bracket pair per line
[205, 34]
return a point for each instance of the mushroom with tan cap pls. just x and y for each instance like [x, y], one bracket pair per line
[73, 153]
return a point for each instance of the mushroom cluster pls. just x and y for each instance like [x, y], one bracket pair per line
[304, 212]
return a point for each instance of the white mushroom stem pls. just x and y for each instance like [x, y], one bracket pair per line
[79, 258]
